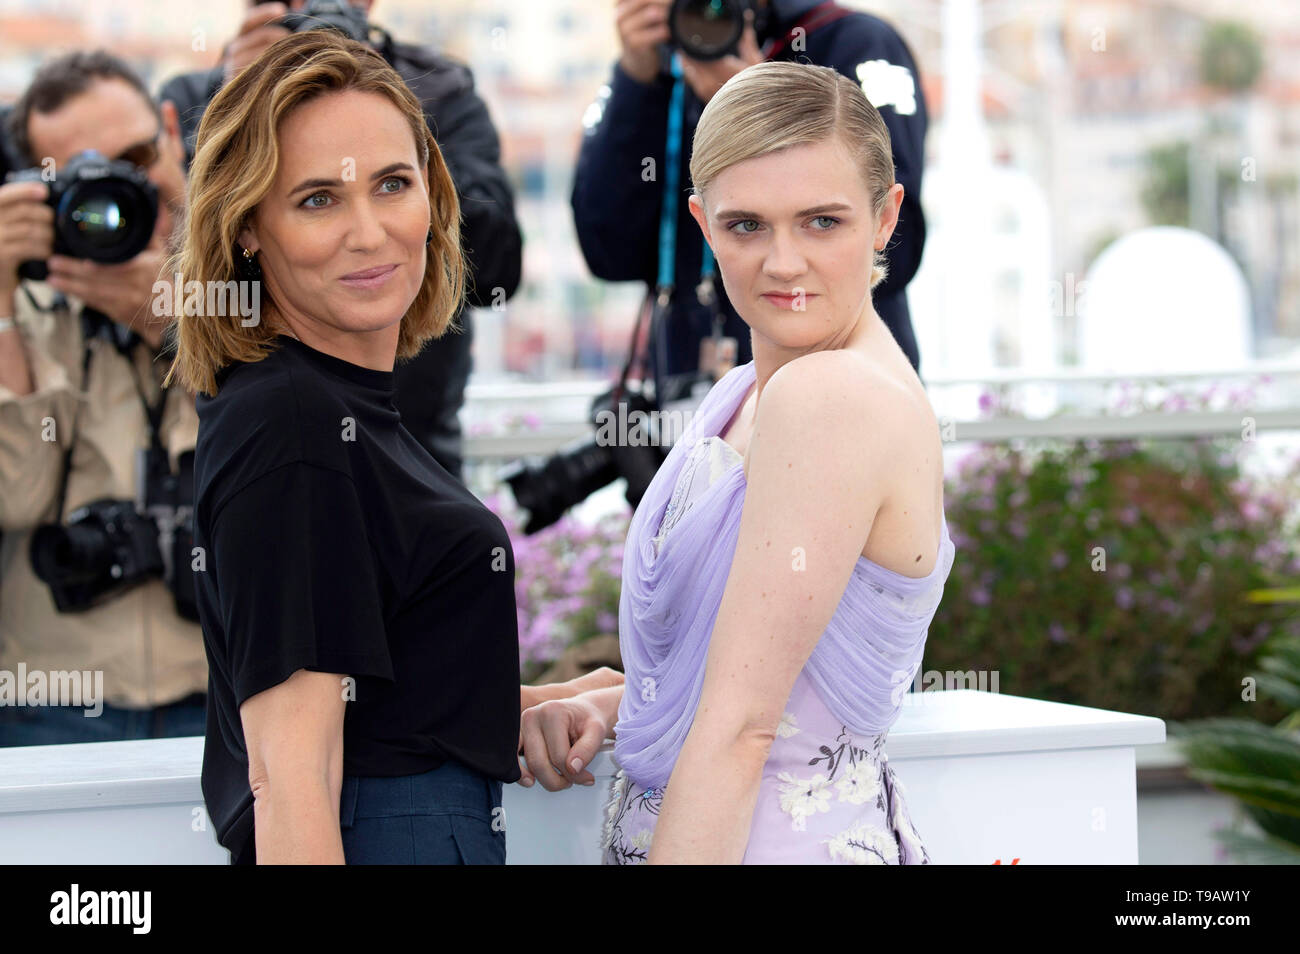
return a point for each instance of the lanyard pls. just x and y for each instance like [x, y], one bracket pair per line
[818, 16]
[668, 211]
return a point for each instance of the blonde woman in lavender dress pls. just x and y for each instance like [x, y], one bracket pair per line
[783, 568]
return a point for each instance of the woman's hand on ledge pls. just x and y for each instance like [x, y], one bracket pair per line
[558, 738]
[601, 678]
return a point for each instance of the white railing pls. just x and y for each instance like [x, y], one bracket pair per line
[562, 409]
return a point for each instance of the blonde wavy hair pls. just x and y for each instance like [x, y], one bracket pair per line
[236, 158]
[775, 105]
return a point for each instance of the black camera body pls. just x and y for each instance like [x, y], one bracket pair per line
[574, 473]
[109, 546]
[105, 210]
[329, 15]
[711, 29]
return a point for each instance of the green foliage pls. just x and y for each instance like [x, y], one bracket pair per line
[1164, 190]
[1231, 57]
[1114, 575]
[1257, 764]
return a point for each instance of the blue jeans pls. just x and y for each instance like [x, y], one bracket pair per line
[56, 725]
[447, 816]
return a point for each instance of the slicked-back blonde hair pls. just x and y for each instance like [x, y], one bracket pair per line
[775, 105]
[237, 155]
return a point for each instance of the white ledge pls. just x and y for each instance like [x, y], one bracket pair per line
[962, 722]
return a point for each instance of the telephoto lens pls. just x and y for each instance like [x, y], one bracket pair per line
[104, 210]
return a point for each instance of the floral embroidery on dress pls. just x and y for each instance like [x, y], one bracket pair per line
[909, 842]
[616, 789]
[803, 797]
[858, 775]
[862, 780]
[618, 847]
[860, 783]
[863, 844]
[788, 726]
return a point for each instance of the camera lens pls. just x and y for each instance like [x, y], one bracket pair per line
[707, 29]
[106, 220]
[99, 220]
[569, 477]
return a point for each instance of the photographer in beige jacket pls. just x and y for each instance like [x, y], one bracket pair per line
[81, 355]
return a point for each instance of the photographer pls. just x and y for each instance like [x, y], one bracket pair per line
[617, 204]
[83, 416]
[430, 387]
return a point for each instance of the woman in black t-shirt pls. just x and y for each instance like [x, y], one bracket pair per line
[357, 601]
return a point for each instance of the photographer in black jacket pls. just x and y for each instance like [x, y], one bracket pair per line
[431, 387]
[617, 207]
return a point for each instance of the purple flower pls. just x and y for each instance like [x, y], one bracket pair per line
[1056, 633]
[1124, 598]
[1059, 559]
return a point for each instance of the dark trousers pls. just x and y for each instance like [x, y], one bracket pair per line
[56, 725]
[448, 816]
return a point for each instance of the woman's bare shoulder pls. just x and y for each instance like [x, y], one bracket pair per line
[854, 383]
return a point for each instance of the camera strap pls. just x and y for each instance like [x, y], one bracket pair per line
[813, 20]
[717, 347]
[94, 324]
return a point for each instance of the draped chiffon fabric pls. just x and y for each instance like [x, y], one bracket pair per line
[672, 588]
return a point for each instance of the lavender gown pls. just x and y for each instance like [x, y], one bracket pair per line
[828, 795]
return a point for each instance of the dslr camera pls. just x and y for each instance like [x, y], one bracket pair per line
[575, 472]
[105, 210]
[329, 15]
[109, 546]
[711, 29]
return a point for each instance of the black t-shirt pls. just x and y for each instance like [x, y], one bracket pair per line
[334, 542]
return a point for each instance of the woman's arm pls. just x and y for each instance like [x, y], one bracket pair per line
[812, 496]
[294, 735]
[598, 679]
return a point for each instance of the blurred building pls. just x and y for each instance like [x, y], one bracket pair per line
[1058, 108]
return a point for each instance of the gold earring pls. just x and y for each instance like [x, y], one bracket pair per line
[248, 256]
